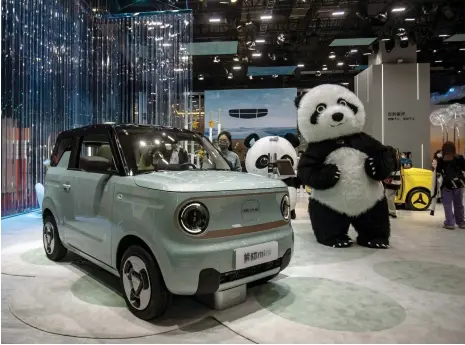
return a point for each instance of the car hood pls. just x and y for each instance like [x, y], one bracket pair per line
[204, 181]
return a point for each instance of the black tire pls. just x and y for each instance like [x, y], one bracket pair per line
[411, 204]
[53, 246]
[152, 280]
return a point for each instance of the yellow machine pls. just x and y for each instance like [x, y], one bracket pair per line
[414, 191]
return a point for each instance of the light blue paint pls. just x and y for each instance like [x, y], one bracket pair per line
[272, 70]
[349, 42]
[212, 48]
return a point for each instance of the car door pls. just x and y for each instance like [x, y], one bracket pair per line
[91, 194]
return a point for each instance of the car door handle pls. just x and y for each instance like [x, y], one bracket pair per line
[66, 187]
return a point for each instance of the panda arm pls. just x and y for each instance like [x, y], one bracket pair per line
[381, 159]
[313, 172]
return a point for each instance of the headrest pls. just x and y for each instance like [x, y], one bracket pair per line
[94, 163]
[104, 151]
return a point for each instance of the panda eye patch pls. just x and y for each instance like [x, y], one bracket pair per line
[261, 162]
[348, 104]
[321, 108]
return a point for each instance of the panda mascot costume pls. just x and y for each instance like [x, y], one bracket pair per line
[259, 151]
[344, 167]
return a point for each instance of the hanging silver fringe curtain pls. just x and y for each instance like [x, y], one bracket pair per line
[64, 66]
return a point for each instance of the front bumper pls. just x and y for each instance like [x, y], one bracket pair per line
[208, 266]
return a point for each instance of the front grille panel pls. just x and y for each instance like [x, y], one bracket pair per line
[249, 271]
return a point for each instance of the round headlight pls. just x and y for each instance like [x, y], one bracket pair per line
[285, 207]
[194, 218]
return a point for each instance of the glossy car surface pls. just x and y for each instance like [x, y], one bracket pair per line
[161, 208]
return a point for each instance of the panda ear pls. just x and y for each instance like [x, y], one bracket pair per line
[298, 99]
[250, 140]
[293, 139]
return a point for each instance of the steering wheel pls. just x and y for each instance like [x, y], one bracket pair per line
[188, 164]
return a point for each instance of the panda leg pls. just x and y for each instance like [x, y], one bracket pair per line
[373, 226]
[330, 227]
[293, 215]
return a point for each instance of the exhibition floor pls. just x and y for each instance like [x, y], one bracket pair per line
[411, 293]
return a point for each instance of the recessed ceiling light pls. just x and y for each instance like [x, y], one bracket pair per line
[250, 77]
[404, 38]
[267, 17]
[338, 13]
[237, 67]
[275, 76]
[332, 56]
[443, 35]
[354, 50]
[386, 39]
[214, 20]
[340, 63]
[398, 9]
[224, 2]
[200, 77]
[418, 50]
[434, 51]
[462, 49]
[260, 41]
[233, 1]
[325, 68]
[366, 53]
[409, 19]
[300, 65]
[230, 76]
[438, 61]
[345, 83]
[257, 54]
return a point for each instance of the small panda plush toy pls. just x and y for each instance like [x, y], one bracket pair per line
[256, 160]
[344, 168]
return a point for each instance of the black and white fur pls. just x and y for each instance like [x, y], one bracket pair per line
[344, 167]
[256, 160]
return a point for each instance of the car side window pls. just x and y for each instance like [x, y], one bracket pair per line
[61, 153]
[95, 154]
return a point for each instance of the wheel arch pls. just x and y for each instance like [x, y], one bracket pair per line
[126, 242]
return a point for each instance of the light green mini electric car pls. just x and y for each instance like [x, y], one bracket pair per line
[161, 208]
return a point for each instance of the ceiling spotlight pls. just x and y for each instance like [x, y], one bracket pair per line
[443, 35]
[409, 19]
[260, 41]
[251, 45]
[332, 55]
[233, 1]
[281, 38]
[340, 63]
[434, 51]
[200, 77]
[318, 73]
[230, 76]
[353, 51]
[300, 65]
[325, 68]
[398, 9]
[275, 76]
[236, 58]
[400, 32]
[345, 84]
[338, 13]
[418, 50]
[385, 39]
[257, 54]
[404, 38]
[250, 77]
[272, 56]
[366, 53]
[216, 59]
[237, 67]
[267, 17]
[438, 61]
[214, 20]
[462, 49]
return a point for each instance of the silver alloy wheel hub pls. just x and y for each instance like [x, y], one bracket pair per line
[136, 282]
[49, 238]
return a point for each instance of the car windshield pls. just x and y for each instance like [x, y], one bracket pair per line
[150, 149]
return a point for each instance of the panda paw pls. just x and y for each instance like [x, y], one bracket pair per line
[343, 242]
[376, 243]
[376, 169]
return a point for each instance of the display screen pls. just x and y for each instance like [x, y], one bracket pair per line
[285, 167]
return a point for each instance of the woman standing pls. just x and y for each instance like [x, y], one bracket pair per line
[225, 145]
[451, 166]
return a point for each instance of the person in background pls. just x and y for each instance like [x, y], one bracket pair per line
[405, 160]
[451, 166]
[225, 145]
[392, 185]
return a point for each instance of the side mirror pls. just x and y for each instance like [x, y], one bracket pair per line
[95, 164]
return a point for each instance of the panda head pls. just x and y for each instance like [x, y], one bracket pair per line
[328, 112]
[256, 160]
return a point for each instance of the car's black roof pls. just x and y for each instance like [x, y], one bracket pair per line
[123, 126]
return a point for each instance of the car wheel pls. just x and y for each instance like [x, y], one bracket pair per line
[53, 247]
[145, 291]
[418, 199]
